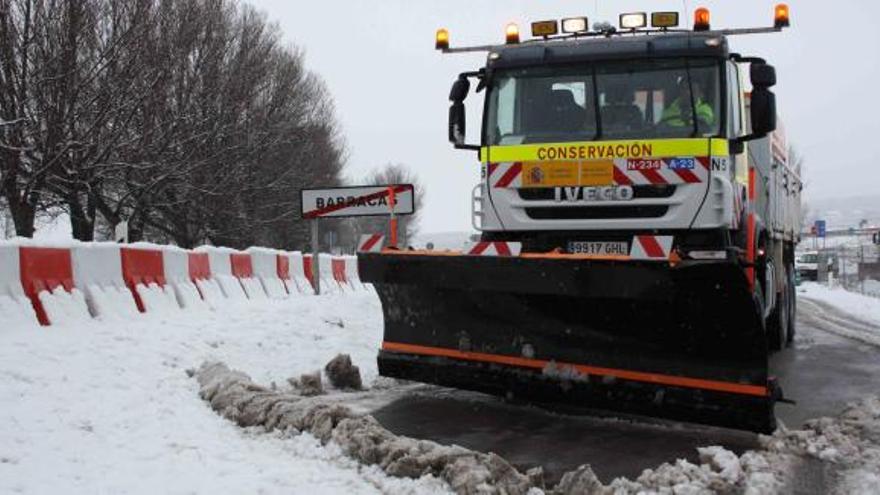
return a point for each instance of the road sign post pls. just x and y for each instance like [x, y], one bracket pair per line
[392, 203]
[316, 250]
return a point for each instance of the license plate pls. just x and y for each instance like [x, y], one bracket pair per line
[598, 247]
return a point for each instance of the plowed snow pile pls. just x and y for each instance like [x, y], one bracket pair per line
[852, 441]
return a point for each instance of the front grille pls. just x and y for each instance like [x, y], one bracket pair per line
[639, 192]
[596, 212]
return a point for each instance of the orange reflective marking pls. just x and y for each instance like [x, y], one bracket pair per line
[538, 364]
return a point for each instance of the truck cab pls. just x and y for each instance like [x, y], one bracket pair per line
[596, 139]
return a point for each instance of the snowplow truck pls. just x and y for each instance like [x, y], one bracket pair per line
[637, 218]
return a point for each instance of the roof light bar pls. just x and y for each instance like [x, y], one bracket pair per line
[575, 25]
[441, 40]
[701, 19]
[511, 34]
[781, 18]
[545, 28]
[633, 20]
[664, 20]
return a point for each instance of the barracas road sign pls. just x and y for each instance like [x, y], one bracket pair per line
[357, 201]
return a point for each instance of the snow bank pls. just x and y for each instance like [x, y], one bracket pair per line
[211, 292]
[16, 313]
[107, 407]
[65, 308]
[158, 300]
[15, 308]
[864, 307]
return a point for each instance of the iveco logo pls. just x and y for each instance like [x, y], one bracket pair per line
[612, 193]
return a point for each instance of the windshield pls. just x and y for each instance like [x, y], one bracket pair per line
[648, 99]
[810, 258]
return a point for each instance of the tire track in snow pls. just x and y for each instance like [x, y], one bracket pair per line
[832, 320]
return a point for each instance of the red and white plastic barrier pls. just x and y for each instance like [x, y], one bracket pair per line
[220, 260]
[80, 281]
[47, 279]
[200, 274]
[265, 268]
[101, 280]
[243, 270]
[298, 281]
[177, 277]
[329, 282]
[143, 269]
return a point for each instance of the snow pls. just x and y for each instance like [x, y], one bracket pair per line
[64, 307]
[15, 308]
[864, 307]
[107, 407]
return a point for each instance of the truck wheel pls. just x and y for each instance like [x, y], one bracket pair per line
[792, 306]
[777, 323]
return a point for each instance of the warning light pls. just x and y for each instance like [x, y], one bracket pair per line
[664, 20]
[544, 28]
[634, 20]
[441, 41]
[701, 19]
[781, 17]
[511, 34]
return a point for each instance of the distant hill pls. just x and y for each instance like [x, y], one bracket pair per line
[844, 212]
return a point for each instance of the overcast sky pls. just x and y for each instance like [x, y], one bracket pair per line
[391, 87]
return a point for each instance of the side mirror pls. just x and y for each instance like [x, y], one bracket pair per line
[459, 90]
[763, 75]
[763, 112]
[457, 124]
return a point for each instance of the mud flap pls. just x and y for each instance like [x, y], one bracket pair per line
[683, 342]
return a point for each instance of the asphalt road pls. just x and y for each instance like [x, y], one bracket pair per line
[822, 372]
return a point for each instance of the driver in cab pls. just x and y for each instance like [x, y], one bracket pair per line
[678, 113]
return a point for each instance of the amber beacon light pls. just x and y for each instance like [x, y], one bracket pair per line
[701, 19]
[441, 40]
[511, 34]
[781, 17]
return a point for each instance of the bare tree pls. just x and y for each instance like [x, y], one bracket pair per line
[190, 119]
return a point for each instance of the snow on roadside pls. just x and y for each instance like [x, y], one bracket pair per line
[107, 407]
[864, 307]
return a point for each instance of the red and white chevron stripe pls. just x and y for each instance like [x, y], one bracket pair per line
[504, 175]
[651, 247]
[497, 248]
[371, 243]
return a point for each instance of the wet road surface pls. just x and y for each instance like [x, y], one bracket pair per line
[822, 373]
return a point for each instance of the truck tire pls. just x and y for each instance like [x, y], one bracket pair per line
[777, 322]
[792, 306]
